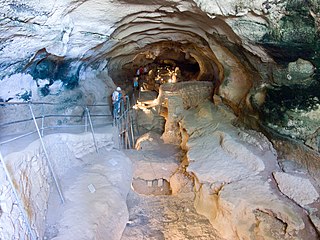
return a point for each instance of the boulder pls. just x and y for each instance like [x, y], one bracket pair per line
[297, 188]
[300, 71]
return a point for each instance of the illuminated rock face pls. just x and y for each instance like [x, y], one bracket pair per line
[243, 47]
[262, 58]
[234, 186]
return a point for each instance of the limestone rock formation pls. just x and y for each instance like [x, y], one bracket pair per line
[297, 188]
[259, 58]
[234, 186]
[53, 47]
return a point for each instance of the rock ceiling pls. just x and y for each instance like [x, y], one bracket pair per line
[96, 30]
[242, 46]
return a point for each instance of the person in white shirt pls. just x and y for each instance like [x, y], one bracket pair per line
[116, 97]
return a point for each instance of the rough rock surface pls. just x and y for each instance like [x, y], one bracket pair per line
[297, 188]
[166, 217]
[234, 191]
[53, 47]
[29, 170]
[97, 190]
[154, 162]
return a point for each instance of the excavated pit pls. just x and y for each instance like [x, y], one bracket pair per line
[151, 187]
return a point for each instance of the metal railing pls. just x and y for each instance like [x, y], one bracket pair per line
[43, 118]
[124, 123]
[40, 130]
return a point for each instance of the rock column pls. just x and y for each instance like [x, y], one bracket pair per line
[172, 130]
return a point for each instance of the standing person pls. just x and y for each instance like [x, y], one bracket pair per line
[135, 83]
[177, 72]
[141, 71]
[116, 98]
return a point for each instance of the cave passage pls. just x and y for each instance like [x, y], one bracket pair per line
[164, 62]
[213, 76]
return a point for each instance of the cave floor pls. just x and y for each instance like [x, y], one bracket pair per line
[94, 192]
[153, 217]
[155, 213]
[165, 217]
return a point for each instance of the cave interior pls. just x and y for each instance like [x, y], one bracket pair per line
[227, 102]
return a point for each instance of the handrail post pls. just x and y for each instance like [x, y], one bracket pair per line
[85, 120]
[42, 125]
[42, 120]
[132, 133]
[47, 155]
[92, 131]
[20, 205]
[114, 116]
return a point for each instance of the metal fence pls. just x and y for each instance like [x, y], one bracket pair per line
[124, 122]
[85, 118]
[86, 122]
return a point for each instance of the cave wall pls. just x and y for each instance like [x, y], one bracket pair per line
[234, 171]
[32, 181]
[262, 56]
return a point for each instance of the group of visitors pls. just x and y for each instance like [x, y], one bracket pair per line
[117, 95]
[139, 77]
[146, 77]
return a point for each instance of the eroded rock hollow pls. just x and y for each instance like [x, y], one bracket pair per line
[234, 84]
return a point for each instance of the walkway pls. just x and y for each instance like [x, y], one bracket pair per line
[160, 215]
[165, 217]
